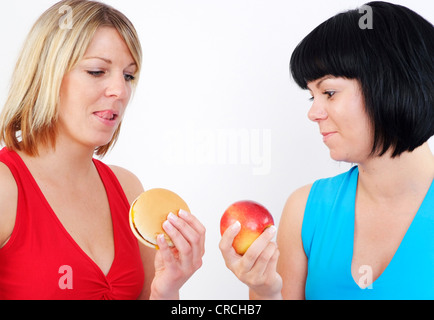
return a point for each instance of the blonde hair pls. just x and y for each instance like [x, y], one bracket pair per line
[29, 117]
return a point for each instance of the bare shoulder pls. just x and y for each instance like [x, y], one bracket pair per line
[133, 188]
[8, 203]
[7, 180]
[293, 212]
[292, 265]
[129, 182]
[296, 202]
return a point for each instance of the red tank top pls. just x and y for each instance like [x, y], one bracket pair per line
[42, 261]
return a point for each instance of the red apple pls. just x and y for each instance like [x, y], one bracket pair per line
[254, 219]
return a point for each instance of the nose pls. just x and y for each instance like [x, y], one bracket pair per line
[117, 87]
[317, 112]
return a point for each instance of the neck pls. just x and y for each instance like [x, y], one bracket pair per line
[66, 163]
[385, 178]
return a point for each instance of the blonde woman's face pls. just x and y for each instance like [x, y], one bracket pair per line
[95, 93]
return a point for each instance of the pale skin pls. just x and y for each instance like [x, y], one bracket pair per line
[389, 193]
[101, 81]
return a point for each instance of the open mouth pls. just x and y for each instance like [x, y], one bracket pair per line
[108, 115]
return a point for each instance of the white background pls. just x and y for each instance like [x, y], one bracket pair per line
[213, 68]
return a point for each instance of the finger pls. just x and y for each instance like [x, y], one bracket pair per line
[181, 244]
[225, 244]
[188, 230]
[257, 247]
[165, 251]
[183, 227]
[195, 239]
[199, 229]
[272, 265]
[192, 221]
[265, 259]
[270, 275]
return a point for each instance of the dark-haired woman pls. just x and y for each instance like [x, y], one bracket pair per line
[367, 233]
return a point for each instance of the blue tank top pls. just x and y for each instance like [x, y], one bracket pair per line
[328, 238]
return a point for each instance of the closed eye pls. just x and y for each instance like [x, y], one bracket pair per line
[96, 73]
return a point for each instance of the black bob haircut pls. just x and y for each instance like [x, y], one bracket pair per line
[393, 62]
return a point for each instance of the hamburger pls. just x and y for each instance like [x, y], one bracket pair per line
[150, 210]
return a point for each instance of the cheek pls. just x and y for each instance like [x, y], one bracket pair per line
[362, 127]
[70, 93]
[126, 100]
[76, 96]
[364, 122]
[66, 99]
[129, 94]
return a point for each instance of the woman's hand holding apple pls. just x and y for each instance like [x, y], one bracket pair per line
[257, 266]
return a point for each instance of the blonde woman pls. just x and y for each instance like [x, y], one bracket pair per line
[64, 230]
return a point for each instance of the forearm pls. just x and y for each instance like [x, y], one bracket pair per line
[159, 292]
[254, 296]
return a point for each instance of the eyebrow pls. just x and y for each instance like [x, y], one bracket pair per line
[322, 80]
[318, 84]
[108, 60]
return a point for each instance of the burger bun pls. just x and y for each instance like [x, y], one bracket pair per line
[150, 210]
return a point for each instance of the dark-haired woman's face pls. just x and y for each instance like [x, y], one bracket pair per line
[338, 108]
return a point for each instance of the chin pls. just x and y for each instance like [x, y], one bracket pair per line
[348, 157]
[340, 156]
[102, 142]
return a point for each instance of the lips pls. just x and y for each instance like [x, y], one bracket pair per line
[324, 134]
[108, 118]
[327, 135]
[109, 115]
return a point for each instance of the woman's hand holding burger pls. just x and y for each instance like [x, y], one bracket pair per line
[160, 219]
[175, 265]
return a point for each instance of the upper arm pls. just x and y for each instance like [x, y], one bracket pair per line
[8, 203]
[133, 188]
[130, 183]
[292, 265]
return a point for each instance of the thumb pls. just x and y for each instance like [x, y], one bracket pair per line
[226, 241]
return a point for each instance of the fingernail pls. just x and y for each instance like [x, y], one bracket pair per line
[183, 213]
[172, 217]
[236, 225]
[161, 241]
[161, 237]
[271, 230]
[167, 225]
